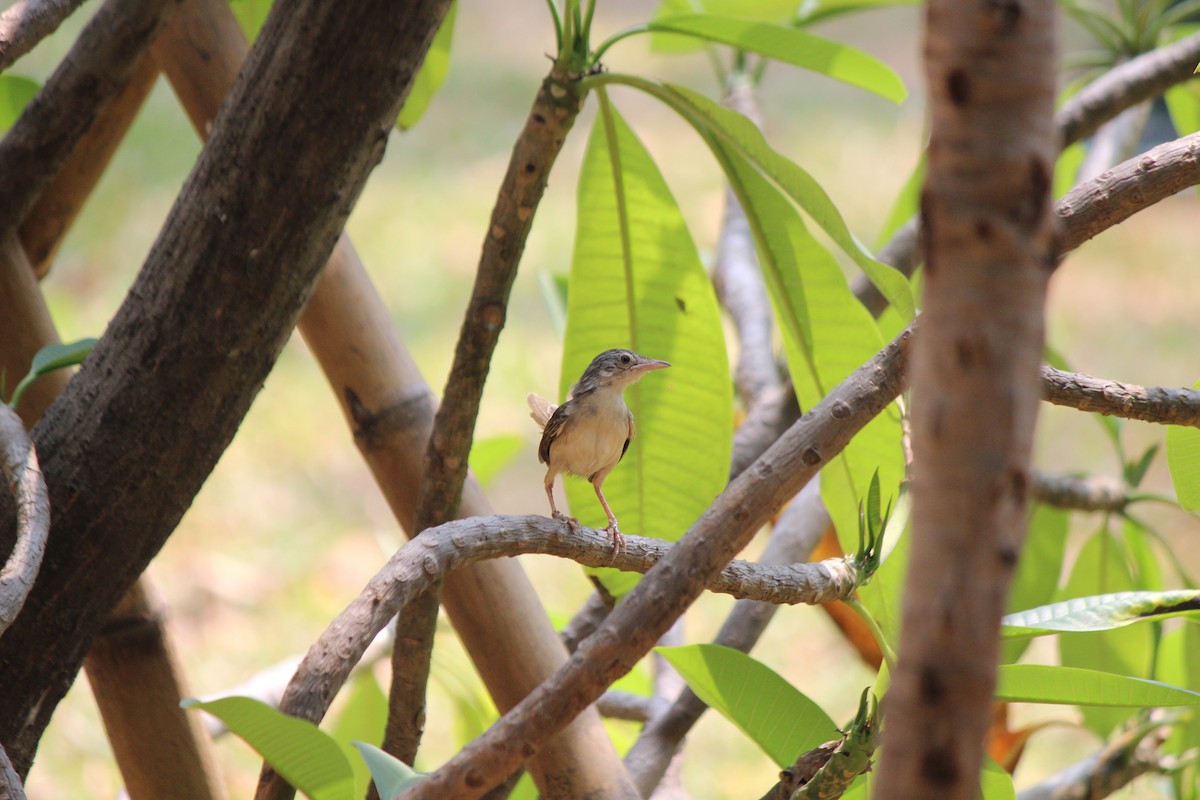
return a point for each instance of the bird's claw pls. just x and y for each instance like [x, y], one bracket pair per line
[572, 523]
[618, 540]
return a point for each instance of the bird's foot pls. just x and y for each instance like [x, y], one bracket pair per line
[618, 539]
[572, 523]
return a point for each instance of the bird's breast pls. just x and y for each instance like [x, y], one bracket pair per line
[594, 439]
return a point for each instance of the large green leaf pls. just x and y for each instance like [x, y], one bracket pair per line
[715, 122]
[302, 753]
[363, 717]
[777, 716]
[1101, 568]
[391, 775]
[432, 74]
[1038, 683]
[1101, 612]
[1037, 575]
[827, 334]
[1183, 460]
[791, 46]
[15, 93]
[637, 282]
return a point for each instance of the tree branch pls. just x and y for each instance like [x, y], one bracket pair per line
[97, 68]
[202, 325]
[1079, 494]
[677, 579]
[1114, 766]
[1115, 399]
[27, 22]
[1135, 81]
[19, 463]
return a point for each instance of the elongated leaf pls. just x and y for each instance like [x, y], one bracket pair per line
[1102, 568]
[907, 203]
[50, 358]
[489, 457]
[391, 775]
[1038, 683]
[1101, 612]
[302, 753]
[432, 74]
[637, 282]
[791, 46]
[1178, 665]
[994, 782]
[15, 93]
[814, 10]
[1183, 460]
[1036, 581]
[827, 334]
[741, 134]
[778, 717]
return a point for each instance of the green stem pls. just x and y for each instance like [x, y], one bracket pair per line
[889, 656]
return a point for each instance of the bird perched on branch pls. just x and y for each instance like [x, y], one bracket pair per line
[589, 433]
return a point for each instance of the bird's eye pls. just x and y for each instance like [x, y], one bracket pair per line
[625, 359]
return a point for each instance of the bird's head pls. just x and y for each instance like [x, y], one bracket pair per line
[616, 368]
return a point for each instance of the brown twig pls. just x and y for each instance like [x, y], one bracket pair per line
[676, 580]
[27, 22]
[1126, 189]
[1112, 767]
[98, 66]
[1135, 81]
[1078, 493]
[1112, 398]
[19, 463]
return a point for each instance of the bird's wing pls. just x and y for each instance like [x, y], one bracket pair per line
[554, 427]
[540, 409]
[629, 438]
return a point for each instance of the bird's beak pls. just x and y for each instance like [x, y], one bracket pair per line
[648, 365]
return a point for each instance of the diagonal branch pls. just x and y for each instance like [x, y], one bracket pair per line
[27, 22]
[658, 600]
[1079, 494]
[1115, 399]
[97, 68]
[19, 464]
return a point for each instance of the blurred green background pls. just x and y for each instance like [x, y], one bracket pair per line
[290, 525]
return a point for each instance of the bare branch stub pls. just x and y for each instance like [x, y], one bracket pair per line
[27, 22]
[1113, 398]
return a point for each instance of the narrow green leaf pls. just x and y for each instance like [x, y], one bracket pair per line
[15, 93]
[391, 775]
[882, 596]
[637, 282]
[815, 10]
[490, 456]
[791, 46]
[1183, 461]
[1101, 612]
[432, 74]
[827, 334]
[305, 756]
[708, 117]
[1038, 683]
[50, 358]
[1066, 168]
[1178, 665]
[1036, 581]
[778, 717]
[1102, 568]
[907, 202]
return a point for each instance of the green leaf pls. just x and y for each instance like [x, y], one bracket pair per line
[1038, 683]
[250, 14]
[490, 456]
[1042, 556]
[779, 718]
[50, 358]
[15, 93]
[305, 756]
[814, 10]
[1178, 665]
[994, 781]
[1101, 568]
[1066, 168]
[637, 282]
[1101, 612]
[732, 128]
[432, 74]
[907, 202]
[1183, 461]
[362, 717]
[882, 596]
[391, 775]
[791, 46]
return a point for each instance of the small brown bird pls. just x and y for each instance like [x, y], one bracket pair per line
[589, 433]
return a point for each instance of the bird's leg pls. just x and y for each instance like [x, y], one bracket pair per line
[572, 523]
[618, 539]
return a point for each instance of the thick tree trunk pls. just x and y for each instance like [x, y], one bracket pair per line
[136, 433]
[990, 248]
